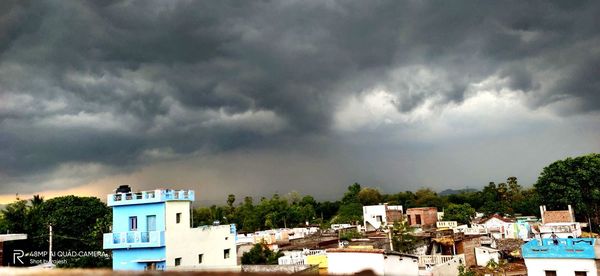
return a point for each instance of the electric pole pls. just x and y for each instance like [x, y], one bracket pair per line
[50, 247]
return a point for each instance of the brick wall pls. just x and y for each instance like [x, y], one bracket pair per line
[428, 216]
[467, 247]
[557, 216]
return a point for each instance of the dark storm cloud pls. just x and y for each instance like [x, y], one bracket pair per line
[110, 81]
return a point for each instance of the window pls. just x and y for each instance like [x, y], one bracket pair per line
[226, 254]
[550, 272]
[418, 219]
[409, 221]
[151, 223]
[177, 261]
[178, 217]
[580, 273]
[132, 223]
[200, 258]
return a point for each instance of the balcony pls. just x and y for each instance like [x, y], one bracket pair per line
[144, 197]
[565, 249]
[134, 239]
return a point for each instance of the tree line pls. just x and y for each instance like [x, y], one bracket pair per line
[79, 222]
[574, 181]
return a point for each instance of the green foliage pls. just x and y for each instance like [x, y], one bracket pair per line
[429, 198]
[462, 213]
[349, 213]
[260, 254]
[504, 198]
[348, 234]
[402, 238]
[464, 271]
[369, 196]
[574, 181]
[78, 224]
[351, 196]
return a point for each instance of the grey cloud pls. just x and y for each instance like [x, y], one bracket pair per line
[163, 68]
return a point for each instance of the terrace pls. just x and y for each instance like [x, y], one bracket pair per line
[149, 197]
[583, 248]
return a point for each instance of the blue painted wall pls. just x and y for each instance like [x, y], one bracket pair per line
[124, 259]
[582, 248]
[121, 216]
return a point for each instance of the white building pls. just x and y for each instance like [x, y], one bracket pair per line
[483, 255]
[351, 261]
[497, 226]
[567, 258]
[380, 216]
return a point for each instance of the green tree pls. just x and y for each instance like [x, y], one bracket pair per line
[429, 198]
[78, 224]
[574, 181]
[369, 196]
[230, 200]
[403, 239]
[349, 213]
[351, 196]
[529, 204]
[202, 216]
[260, 254]
[461, 213]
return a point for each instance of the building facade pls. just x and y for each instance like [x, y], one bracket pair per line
[566, 257]
[424, 217]
[347, 261]
[380, 216]
[152, 231]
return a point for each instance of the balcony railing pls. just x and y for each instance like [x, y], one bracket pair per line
[134, 239]
[149, 197]
[434, 260]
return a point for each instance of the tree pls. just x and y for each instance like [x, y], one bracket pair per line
[574, 181]
[78, 224]
[260, 254]
[202, 216]
[429, 198]
[461, 213]
[402, 238]
[369, 196]
[349, 213]
[351, 196]
[230, 200]
[529, 204]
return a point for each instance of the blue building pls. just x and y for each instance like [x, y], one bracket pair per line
[577, 256]
[152, 231]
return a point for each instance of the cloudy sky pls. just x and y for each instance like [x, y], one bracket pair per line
[258, 97]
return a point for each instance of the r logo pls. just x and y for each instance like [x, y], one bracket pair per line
[17, 254]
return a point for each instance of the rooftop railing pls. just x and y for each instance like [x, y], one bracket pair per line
[149, 197]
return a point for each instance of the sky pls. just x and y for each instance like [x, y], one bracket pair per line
[262, 97]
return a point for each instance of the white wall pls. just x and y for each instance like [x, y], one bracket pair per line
[211, 241]
[400, 265]
[449, 268]
[370, 217]
[187, 243]
[354, 262]
[563, 267]
[371, 213]
[171, 210]
[483, 255]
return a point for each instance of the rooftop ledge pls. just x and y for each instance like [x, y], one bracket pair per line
[144, 197]
[582, 248]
